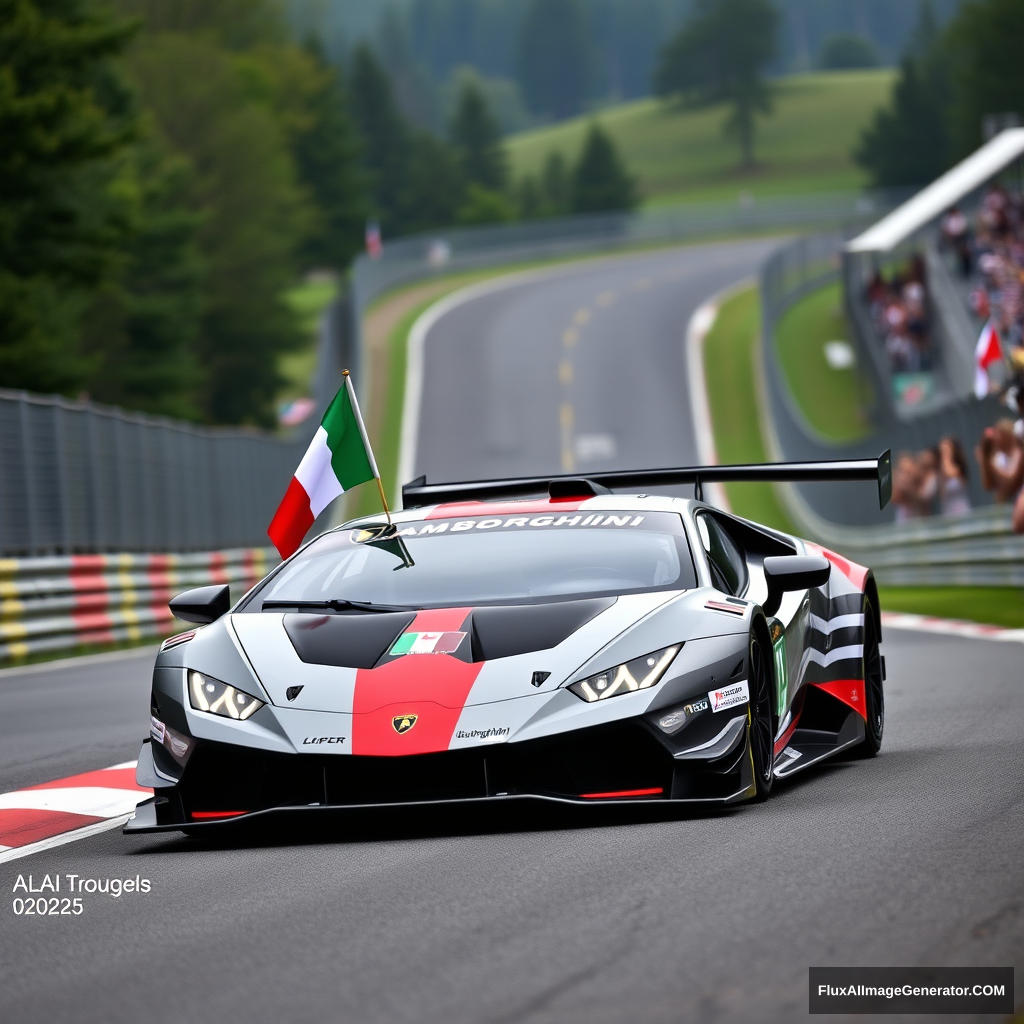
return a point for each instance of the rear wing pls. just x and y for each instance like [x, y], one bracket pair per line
[419, 492]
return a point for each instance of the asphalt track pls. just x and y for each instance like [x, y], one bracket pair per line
[911, 858]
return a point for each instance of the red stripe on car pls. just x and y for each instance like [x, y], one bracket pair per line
[856, 574]
[432, 688]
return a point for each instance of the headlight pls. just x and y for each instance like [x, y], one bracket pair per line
[638, 674]
[217, 698]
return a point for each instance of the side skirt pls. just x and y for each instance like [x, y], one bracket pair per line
[807, 747]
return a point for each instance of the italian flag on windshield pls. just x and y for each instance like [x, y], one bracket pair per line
[338, 458]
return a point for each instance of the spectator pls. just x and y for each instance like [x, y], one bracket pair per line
[953, 498]
[905, 488]
[927, 481]
[956, 235]
[1001, 461]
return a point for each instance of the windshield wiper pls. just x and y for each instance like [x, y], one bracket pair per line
[339, 605]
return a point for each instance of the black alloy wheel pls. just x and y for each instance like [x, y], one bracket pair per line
[874, 697]
[762, 719]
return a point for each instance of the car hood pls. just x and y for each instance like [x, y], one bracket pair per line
[424, 683]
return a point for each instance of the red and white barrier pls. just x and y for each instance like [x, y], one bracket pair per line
[56, 603]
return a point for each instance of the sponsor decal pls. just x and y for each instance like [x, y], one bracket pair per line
[495, 732]
[403, 723]
[696, 706]
[173, 741]
[427, 643]
[730, 696]
[501, 523]
[157, 729]
[315, 740]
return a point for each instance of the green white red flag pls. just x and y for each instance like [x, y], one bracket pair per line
[338, 458]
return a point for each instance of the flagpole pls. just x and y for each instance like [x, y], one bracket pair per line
[366, 441]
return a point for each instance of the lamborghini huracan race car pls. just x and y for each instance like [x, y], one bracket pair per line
[521, 640]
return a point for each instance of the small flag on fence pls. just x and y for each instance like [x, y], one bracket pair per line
[338, 458]
[986, 352]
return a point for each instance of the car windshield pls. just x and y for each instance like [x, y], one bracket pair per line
[485, 560]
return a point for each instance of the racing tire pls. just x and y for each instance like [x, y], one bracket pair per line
[762, 718]
[874, 696]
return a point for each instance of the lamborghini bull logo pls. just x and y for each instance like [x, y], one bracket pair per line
[403, 723]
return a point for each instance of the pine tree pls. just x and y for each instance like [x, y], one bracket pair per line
[385, 136]
[65, 116]
[327, 155]
[476, 136]
[720, 55]
[600, 180]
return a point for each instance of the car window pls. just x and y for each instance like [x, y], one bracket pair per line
[488, 560]
[727, 564]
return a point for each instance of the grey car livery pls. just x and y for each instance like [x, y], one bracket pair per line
[578, 646]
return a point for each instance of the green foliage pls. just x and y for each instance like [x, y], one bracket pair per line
[327, 158]
[720, 54]
[434, 188]
[984, 41]
[207, 107]
[847, 50]
[65, 115]
[475, 133]
[140, 328]
[385, 137]
[908, 142]
[485, 206]
[554, 57]
[600, 180]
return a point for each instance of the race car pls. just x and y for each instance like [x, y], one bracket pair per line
[570, 640]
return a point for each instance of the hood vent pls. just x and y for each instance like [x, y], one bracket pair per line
[519, 629]
[346, 641]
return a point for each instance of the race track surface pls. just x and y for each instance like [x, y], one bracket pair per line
[913, 857]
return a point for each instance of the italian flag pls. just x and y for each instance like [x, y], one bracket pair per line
[338, 458]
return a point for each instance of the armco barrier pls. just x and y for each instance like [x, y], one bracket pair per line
[50, 604]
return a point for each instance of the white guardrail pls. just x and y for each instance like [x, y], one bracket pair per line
[61, 602]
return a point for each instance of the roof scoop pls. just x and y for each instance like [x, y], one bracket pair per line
[575, 487]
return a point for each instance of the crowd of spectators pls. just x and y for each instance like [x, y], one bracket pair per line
[899, 311]
[990, 253]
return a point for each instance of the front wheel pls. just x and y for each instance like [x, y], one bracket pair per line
[762, 719]
[874, 698]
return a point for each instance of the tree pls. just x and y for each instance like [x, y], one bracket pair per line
[433, 188]
[141, 328]
[218, 111]
[554, 57]
[600, 180]
[720, 55]
[984, 42]
[908, 142]
[847, 50]
[385, 136]
[556, 183]
[327, 156]
[66, 114]
[485, 206]
[476, 136]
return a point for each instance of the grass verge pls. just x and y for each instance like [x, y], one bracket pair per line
[307, 301]
[995, 606]
[832, 400]
[682, 155]
[729, 351]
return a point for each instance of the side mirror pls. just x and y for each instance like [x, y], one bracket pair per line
[202, 605]
[783, 573]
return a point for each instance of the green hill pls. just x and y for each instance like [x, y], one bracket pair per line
[683, 155]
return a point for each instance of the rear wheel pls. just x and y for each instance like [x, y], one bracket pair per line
[762, 718]
[874, 698]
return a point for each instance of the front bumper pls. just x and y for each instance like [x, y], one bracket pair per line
[225, 785]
